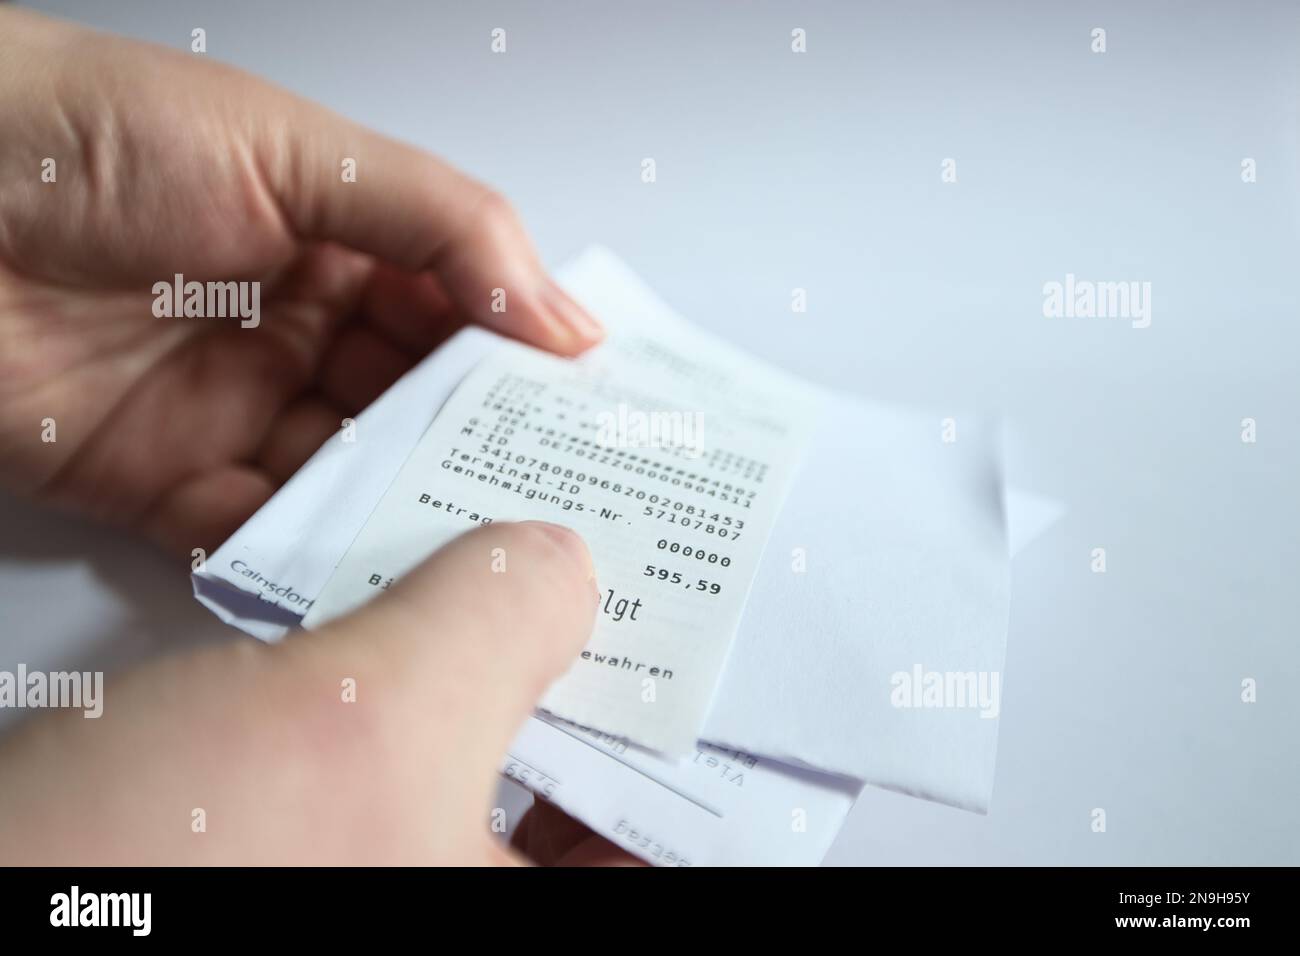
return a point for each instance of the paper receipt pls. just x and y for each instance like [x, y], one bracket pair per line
[670, 454]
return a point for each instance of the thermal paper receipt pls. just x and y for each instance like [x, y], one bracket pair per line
[670, 453]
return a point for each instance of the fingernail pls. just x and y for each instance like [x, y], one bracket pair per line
[574, 316]
[570, 541]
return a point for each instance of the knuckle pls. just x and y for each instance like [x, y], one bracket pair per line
[495, 216]
[494, 208]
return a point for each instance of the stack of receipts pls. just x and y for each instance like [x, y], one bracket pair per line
[801, 592]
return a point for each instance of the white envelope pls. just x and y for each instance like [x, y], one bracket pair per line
[903, 568]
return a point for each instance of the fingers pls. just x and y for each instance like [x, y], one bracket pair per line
[410, 309]
[298, 433]
[444, 668]
[548, 836]
[597, 851]
[203, 511]
[359, 367]
[455, 655]
[414, 211]
[546, 833]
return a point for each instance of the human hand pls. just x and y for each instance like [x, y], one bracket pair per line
[445, 667]
[167, 163]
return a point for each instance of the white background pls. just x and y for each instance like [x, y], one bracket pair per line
[822, 171]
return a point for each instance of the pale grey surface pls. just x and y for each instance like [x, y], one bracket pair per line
[821, 171]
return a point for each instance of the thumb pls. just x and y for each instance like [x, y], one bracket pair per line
[454, 657]
[413, 210]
